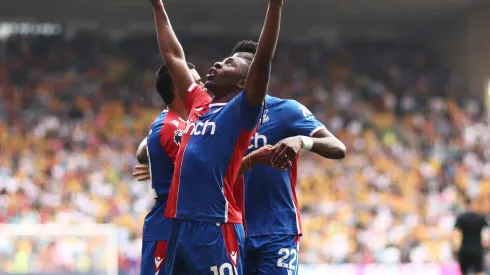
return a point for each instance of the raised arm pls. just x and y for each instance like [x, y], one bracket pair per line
[171, 50]
[257, 82]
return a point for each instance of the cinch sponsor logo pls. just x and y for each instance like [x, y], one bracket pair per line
[201, 128]
[257, 141]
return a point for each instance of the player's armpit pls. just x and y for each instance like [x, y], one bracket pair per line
[257, 82]
[142, 152]
[327, 145]
[171, 50]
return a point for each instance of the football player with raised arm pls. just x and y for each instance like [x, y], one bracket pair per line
[273, 224]
[207, 235]
[157, 155]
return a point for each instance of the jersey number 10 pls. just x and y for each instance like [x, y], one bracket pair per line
[224, 269]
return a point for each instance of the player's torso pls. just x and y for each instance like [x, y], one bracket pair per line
[161, 164]
[270, 200]
[166, 131]
[213, 145]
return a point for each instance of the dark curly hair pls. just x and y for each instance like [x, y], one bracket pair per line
[164, 84]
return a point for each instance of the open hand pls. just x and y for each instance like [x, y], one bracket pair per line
[141, 172]
[285, 151]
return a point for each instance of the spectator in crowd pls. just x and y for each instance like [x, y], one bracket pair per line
[471, 226]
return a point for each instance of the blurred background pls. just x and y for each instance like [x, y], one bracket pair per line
[404, 84]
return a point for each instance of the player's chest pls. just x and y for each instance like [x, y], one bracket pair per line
[210, 125]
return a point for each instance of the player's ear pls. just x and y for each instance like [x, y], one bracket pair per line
[241, 84]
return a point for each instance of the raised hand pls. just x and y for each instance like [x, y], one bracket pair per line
[155, 2]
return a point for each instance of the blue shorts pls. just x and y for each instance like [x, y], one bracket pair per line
[275, 254]
[153, 257]
[199, 248]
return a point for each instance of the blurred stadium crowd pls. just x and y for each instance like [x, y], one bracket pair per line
[73, 112]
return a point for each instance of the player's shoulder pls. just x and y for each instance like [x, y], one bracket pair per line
[172, 120]
[283, 104]
[159, 119]
[272, 102]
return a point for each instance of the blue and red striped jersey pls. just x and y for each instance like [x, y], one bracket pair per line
[163, 144]
[214, 142]
[271, 206]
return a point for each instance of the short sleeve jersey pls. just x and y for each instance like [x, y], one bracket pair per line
[213, 144]
[471, 225]
[271, 206]
[163, 144]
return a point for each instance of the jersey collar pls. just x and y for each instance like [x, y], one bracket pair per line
[216, 105]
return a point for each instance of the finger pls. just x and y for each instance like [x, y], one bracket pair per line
[280, 155]
[291, 153]
[140, 173]
[280, 167]
[269, 147]
[277, 153]
[286, 165]
[143, 178]
[141, 168]
[281, 164]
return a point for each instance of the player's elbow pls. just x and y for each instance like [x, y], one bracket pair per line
[172, 57]
[142, 157]
[141, 153]
[341, 150]
[334, 150]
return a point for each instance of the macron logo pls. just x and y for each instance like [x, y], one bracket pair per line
[201, 128]
[158, 262]
[233, 256]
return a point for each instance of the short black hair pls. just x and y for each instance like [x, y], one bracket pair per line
[247, 46]
[164, 83]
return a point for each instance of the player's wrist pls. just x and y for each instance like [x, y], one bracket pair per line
[306, 143]
[247, 163]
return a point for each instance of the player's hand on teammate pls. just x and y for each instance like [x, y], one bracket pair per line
[286, 150]
[264, 156]
[141, 172]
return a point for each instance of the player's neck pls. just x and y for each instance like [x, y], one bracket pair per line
[181, 112]
[225, 98]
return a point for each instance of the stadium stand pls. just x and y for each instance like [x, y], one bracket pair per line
[73, 111]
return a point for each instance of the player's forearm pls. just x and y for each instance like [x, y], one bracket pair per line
[170, 47]
[171, 50]
[259, 73]
[270, 34]
[329, 147]
[247, 164]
